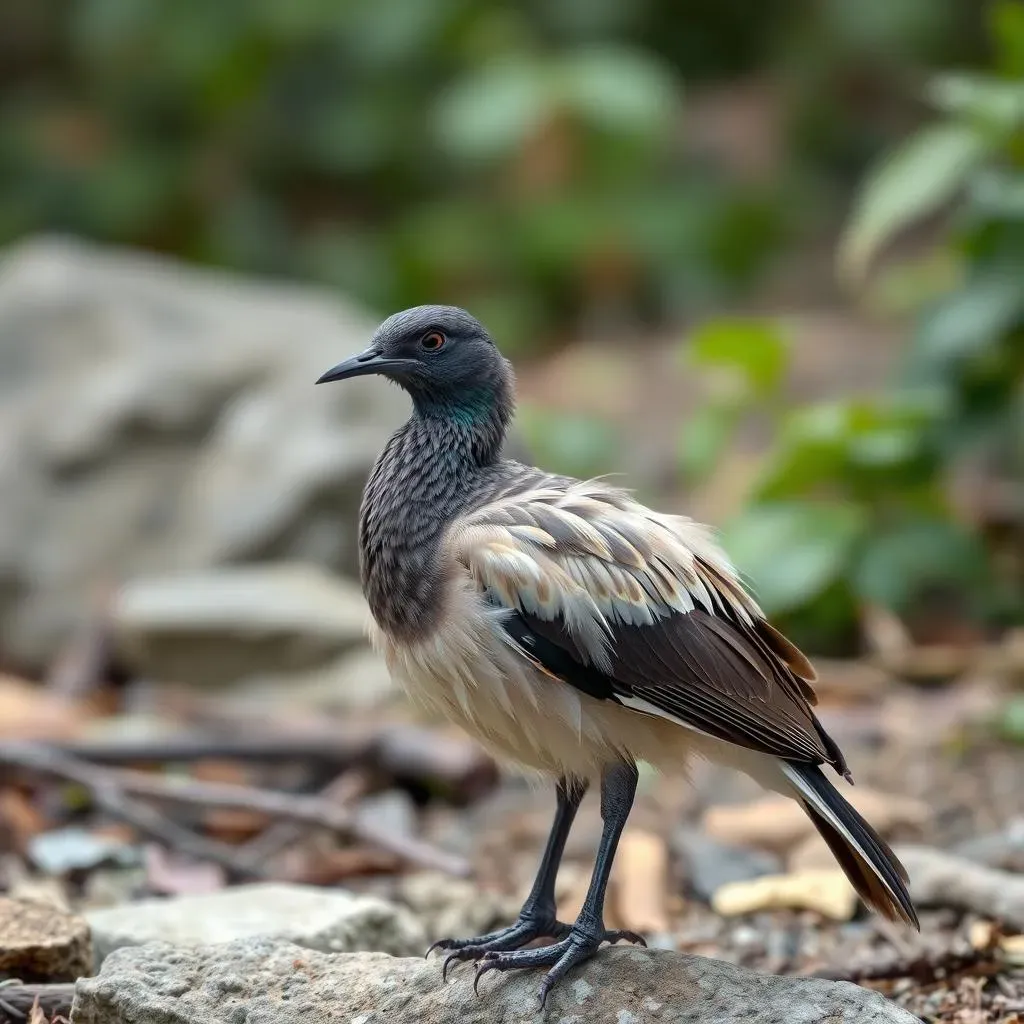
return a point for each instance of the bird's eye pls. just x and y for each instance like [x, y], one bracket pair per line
[432, 341]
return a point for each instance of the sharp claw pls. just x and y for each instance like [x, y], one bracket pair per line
[447, 963]
[481, 970]
[439, 944]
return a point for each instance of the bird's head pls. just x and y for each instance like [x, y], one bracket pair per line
[443, 357]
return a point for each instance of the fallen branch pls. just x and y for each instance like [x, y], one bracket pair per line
[16, 1000]
[312, 810]
[109, 786]
[448, 765]
[944, 880]
[924, 968]
[104, 788]
[342, 791]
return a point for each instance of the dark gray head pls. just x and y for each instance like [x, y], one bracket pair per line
[447, 362]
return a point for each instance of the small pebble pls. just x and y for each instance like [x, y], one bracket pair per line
[709, 864]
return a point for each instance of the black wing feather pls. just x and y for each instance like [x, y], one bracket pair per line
[716, 676]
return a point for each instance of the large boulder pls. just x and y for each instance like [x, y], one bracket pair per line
[155, 418]
[267, 982]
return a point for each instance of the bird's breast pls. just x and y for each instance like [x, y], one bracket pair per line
[465, 670]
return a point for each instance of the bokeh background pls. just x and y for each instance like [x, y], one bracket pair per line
[764, 260]
[600, 182]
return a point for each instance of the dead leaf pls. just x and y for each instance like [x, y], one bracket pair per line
[828, 893]
[640, 882]
[21, 818]
[331, 866]
[175, 875]
[570, 891]
[28, 712]
[234, 825]
[212, 770]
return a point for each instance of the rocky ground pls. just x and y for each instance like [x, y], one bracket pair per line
[197, 750]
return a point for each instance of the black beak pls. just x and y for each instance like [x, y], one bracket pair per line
[370, 361]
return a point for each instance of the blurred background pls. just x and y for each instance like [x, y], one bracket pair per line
[764, 260]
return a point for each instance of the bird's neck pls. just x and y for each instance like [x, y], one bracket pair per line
[425, 476]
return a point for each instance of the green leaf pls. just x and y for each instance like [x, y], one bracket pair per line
[1006, 26]
[914, 180]
[753, 347]
[791, 552]
[811, 450]
[619, 90]
[899, 563]
[971, 320]
[998, 193]
[704, 438]
[995, 102]
[1010, 720]
[492, 112]
[583, 446]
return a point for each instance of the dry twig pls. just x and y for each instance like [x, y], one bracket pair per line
[110, 787]
[17, 1000]
[446, 764]
[106, 791]
[343, 791]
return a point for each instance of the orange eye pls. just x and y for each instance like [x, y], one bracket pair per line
[432, 341]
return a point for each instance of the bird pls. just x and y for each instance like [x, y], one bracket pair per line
[575, 632]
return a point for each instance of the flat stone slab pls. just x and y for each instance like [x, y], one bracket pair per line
[229, 623]
[267, 982]
[332, 921]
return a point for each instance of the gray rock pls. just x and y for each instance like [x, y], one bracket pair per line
[390, 813]
[155, 418]
[454, 907]
[263, 982]
[709, 864]
[1004, 850]
[939, 879]
[230, 623]
[329, 920]
[75, 849]
[356, 681]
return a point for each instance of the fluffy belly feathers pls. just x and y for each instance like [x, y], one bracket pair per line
[467, 672]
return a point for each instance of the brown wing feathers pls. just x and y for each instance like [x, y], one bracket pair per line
[629, 605]
[684, 669]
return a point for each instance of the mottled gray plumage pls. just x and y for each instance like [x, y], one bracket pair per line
[446, 458]
[571, 628]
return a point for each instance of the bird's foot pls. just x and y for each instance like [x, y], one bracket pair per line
[530, 926]
[580, 944]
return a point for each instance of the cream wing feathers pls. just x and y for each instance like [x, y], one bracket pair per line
[640, 608]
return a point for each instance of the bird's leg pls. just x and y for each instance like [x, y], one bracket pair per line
[618, 787]
[537, 918]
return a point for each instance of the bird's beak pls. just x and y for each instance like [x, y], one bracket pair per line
[370, 361]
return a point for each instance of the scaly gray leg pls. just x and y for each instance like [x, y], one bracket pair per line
[537, 918]
[618, 787]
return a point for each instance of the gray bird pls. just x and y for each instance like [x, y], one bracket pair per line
[575, 631]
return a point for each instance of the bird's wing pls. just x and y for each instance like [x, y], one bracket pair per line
[631, 605]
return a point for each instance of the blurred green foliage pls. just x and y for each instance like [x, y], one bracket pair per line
[530, 160]
[541, 163]
[853, 505]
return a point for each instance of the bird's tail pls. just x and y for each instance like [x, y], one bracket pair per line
[869, 864]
